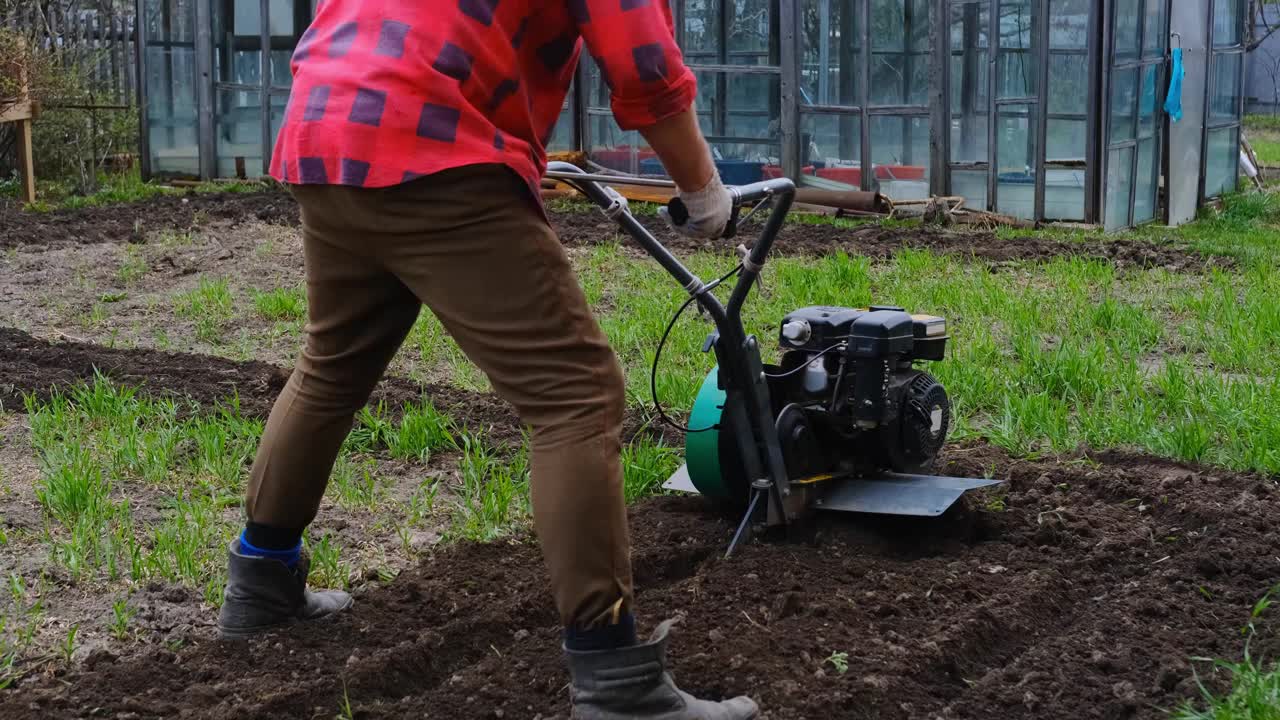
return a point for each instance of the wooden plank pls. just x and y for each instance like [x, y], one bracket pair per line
[26, 161]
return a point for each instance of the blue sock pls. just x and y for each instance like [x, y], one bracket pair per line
[289, 557]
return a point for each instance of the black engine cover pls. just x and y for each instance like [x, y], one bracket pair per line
[826, 327]
[914, 437]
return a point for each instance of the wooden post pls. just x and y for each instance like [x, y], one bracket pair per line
[26, 160]
[19, 111]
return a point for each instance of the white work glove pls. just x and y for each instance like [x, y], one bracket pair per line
[709, 210]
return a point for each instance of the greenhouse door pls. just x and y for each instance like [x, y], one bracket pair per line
[864, 93]
[170, 125]
[1136, 93]
[251, 79]
[1189, 28]
[1018, 100]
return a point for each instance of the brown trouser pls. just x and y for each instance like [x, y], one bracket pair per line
[472, 246]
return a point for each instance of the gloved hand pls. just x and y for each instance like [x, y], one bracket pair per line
[709, 211]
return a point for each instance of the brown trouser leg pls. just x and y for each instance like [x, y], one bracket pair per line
[470, 245]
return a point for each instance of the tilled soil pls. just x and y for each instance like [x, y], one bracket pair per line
[1083, 597]
[1080, 589]
[130, 223]
[33, 367]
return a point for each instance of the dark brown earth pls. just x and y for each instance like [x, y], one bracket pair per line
[130, 222]
[35, 367]
[1083, 598]
[1080, 589]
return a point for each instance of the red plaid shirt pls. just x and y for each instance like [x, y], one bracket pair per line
[385, 91]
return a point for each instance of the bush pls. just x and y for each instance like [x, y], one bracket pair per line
[70, 144]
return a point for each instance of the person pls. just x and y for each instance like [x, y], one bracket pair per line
[414, 142]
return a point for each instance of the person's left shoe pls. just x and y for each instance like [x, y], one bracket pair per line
[263, 594]
[632, 683]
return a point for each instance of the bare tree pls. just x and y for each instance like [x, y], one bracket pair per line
[1270, 63]
[1260, 26]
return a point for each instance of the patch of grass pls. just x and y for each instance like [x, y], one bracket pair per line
[421, 430]
[441, 354]
[100, 445]
[355, 485]
[1255, 683]
[281, 304]
[133, 266]
[327, 567]
[121, 617]
[645, 466]
[209, 305]
[493, 500]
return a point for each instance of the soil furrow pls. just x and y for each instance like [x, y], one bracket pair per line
[1083, 593]
[132, 222]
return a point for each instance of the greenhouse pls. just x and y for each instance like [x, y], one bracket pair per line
[1054, 110]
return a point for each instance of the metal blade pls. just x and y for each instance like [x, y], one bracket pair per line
[898, 494]
[680, 481]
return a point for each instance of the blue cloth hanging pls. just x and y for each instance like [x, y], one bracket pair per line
[1173, 103]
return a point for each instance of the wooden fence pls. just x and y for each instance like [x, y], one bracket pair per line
[98, 36]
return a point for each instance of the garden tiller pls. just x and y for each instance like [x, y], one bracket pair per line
[845, 421]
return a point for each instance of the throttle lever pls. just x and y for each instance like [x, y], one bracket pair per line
[679, 215]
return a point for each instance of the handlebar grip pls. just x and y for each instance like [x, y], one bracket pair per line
[746, 194]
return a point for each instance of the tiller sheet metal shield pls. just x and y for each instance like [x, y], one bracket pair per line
[889, 494]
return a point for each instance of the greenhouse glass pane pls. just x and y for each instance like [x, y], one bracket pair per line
[1155, 30]
[1016, 73]
[1016, 159]
[1125, 30]
[900, 155]
[1149, 104]
[1119, 181]
[238, 127]
[1069, 24]
[1124, 96]
[1225, 102]
[1144, 201]
[1228, 22]
[833, 140]
[830, 44]
[1222, 161]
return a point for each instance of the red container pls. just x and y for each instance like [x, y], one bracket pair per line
[847, 175]
[619, 158]
[900, 172]
[773, 172]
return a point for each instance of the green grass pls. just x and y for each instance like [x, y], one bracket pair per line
[1254, 682]
[281, 304]
[645, 466]
[1045, 356]
[117, 188]
[420, 431]
[493, 499]
[133, 266]
[100, 445]
[210, 306]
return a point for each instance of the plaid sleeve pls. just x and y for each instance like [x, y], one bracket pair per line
[633, 43]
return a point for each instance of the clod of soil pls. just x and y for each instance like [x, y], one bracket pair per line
[130, 222]
[1084, 597]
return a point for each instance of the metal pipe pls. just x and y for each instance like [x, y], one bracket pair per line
[579, 177]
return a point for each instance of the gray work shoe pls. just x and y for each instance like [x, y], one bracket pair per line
[631, 683]
[263, 594]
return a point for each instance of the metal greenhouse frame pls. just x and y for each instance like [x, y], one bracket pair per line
[1043, 109]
